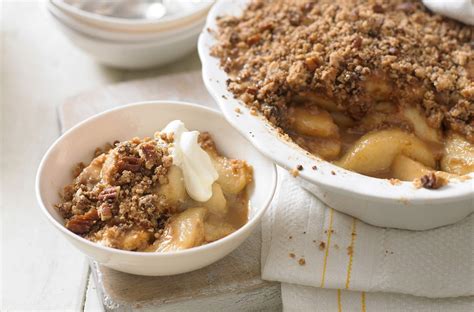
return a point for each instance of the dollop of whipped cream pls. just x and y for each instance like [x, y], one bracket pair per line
[198, 171]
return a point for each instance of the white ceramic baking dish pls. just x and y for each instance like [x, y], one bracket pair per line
[375, 201]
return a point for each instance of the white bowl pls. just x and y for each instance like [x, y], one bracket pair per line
[133, 55]
[143, 119]
[193, 10]
[123, 36]
[372, 200]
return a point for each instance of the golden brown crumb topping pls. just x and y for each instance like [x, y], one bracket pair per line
[116, 191]
[279, 50]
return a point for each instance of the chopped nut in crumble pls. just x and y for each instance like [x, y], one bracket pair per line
[431, 180]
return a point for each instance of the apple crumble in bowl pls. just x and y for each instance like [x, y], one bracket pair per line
[155, 202]
[166, 193]
[382, 89]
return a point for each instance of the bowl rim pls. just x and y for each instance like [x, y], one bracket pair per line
[110, 20]
[358, 185]
[131, 43]
[203, 248]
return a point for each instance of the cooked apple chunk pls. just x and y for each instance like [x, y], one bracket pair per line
[217, 230]
[459, 155]
[407, 169]
[174, 191]
[313, 122]
[183, 231]
[420, 126]
[326, 148]
[316, 99]
[217, 204]
[375, 152]
[91, 174]
[234, 175]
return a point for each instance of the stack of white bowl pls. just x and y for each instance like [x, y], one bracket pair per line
[133, 43]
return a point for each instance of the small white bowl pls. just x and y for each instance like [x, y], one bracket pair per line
[372, 200]
[192, 11]
[133, 55]
[143, 119]
[120, 35]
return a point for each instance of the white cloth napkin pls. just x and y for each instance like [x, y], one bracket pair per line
[461, 10]
[301, 298]
[306, 243]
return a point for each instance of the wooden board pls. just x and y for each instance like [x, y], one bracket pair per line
[232, 284]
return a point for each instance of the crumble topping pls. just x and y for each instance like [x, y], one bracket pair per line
[295, 172]
[279, 50]
[394, 181]
[122, 201]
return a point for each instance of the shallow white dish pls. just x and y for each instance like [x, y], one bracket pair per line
[374, 201]
[133, 55]
[143, 119]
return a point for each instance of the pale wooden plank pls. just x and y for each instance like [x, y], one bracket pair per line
[233, 284]
[92, 302]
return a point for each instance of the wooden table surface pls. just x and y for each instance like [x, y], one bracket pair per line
[40, 68]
